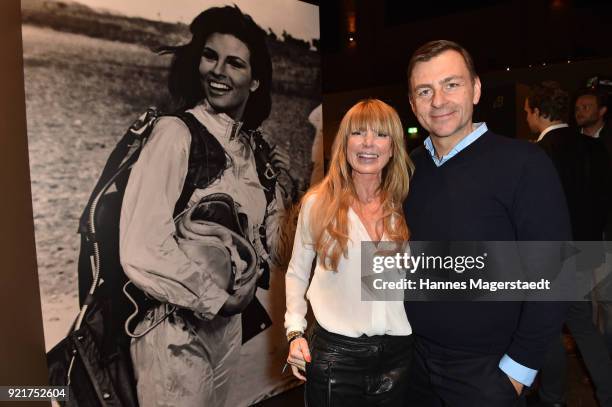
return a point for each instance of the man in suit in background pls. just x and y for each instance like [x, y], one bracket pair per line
[590, 113]
[579, 168]
[546, 108]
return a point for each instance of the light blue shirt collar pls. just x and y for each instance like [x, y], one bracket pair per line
[479, 130]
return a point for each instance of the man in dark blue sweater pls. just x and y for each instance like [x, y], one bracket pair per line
[473, 185]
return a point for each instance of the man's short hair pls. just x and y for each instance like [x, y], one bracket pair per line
[434, 48]
[600, 96]
[550, 99]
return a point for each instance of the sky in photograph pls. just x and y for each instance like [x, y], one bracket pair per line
[299, 19]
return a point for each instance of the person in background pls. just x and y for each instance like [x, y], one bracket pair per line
[359, 352]
[590, 114]
[580, 170]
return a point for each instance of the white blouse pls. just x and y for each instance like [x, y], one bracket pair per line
[335, 296]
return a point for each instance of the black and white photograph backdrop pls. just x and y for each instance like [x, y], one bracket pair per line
[92, 67]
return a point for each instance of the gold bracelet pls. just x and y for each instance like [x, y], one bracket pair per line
[294, 335]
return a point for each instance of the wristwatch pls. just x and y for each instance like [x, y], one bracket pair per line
[294, 335]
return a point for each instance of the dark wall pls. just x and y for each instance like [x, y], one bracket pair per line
[22, 351]
[498, 34]
[512, 33]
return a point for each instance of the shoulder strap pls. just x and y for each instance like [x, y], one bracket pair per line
[123, 156]
[207, 160]
[267, 175]
[266, 172]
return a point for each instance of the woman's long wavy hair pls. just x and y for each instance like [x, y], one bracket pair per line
[184, 78]
[330, 231]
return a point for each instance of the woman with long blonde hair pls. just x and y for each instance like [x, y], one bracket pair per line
[359, 351]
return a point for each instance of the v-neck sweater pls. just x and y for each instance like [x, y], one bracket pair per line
[496, 189]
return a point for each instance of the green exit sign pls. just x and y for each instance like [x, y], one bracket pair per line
[413, 132]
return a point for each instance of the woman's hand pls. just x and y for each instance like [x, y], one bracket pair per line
[299, 355]
[241, 298]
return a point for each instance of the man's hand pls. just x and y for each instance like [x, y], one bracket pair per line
[517, 386]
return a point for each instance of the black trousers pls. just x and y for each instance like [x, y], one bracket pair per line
[354, 372]
[443, 377]
[553, 380]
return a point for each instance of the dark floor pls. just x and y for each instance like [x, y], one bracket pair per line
[291, 398]
[580, 390]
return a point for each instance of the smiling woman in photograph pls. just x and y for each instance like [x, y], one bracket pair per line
[359, 352]
[174, 236]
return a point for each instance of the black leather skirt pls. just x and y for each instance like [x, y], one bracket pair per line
[364, 371]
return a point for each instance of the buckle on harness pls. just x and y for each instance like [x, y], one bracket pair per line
[269, 173]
